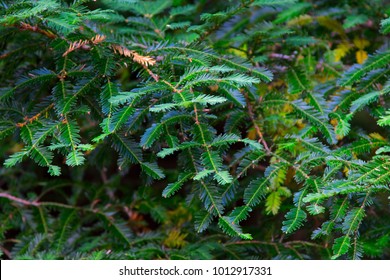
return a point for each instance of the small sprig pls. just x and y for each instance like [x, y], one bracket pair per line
[136, 57]
[84, 44]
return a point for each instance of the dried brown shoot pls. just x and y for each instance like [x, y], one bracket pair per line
[84, 44]
[140, 59]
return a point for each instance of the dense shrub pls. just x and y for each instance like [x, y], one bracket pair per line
[194, 129]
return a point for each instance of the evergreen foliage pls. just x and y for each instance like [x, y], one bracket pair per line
[261, 124]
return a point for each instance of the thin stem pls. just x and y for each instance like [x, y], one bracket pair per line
[19, 200]
[35, 117]
[257, 128]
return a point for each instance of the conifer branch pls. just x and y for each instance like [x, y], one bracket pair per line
[184, 132]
